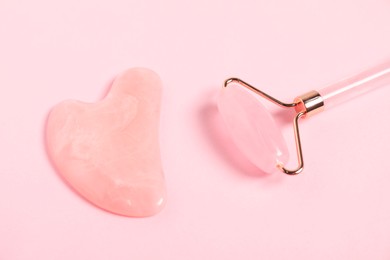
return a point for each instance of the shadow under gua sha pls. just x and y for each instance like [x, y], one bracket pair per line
[109, 151]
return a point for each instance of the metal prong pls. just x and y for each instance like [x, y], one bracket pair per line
[298, 144]
[259, 92]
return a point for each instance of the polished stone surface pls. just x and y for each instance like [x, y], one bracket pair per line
[252, 128]
[108, 151]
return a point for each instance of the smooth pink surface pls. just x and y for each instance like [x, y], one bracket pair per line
[252, 128]
[218, 207]
[109, 151]
[356, 85]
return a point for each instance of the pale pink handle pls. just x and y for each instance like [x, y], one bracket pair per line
[359, 84]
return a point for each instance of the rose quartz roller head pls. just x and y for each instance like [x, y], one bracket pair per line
[254, 131]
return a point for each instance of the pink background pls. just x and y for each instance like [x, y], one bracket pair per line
[218, 206]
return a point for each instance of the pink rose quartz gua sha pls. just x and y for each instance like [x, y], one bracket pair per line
[108, 151]
[254, 131]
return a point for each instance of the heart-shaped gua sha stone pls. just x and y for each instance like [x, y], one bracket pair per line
[109, 151]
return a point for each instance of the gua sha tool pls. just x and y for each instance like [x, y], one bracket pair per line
[254, 131]
[108, 151]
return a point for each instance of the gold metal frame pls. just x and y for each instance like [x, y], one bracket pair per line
[304, 105]
[259, 92]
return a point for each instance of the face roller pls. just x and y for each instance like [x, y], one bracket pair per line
[252, 126]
